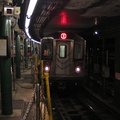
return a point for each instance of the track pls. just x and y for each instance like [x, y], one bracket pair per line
[102, 109]
[68, 106]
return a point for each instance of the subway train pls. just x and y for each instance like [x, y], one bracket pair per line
[64, 57]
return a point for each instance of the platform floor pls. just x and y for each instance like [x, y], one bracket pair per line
[22, 96]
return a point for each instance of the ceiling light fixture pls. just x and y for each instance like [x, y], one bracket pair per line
[96, 32]
[96, 21]
[31, 6]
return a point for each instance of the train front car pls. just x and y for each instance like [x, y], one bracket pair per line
[64, 58]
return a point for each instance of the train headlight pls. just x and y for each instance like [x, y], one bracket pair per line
[77, 69]
[47, 68]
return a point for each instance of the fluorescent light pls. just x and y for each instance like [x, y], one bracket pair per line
[30, 10]
[31, 7]
[27, 22]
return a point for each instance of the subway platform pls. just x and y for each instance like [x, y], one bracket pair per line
[24, 107]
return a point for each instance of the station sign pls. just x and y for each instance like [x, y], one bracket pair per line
[63, 36]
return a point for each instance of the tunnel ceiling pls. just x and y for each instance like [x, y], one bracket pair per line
[76, 16]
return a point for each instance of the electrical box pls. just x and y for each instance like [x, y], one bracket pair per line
[16, 10]
[11, 11]
[8, 11]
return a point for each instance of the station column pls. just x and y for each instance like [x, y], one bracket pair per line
[5, 67]
[117, 72]
[18, 57]
[26, 52]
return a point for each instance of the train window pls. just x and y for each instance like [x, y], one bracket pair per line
[62, 51]
[47, 51]
[78, 51]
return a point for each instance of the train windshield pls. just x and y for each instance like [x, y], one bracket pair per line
[62, 51]
[78, 51]
[47, 49]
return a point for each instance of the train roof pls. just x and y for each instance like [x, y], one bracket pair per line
[57, 35]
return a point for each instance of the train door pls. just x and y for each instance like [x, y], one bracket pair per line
[63, 57]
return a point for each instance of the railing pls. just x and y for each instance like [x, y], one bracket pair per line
[41, 91]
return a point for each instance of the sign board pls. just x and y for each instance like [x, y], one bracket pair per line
[3, 47]
[63, 36]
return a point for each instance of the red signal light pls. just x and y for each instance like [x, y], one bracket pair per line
[63, 19]
[63, 36]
